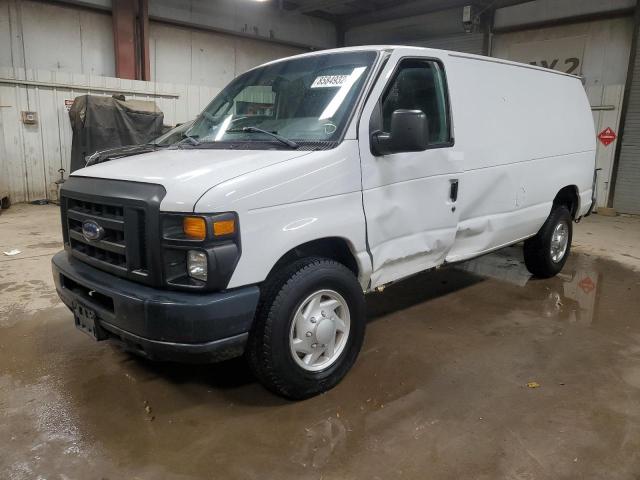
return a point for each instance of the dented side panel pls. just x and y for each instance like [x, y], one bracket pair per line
[525, 135]
[411, 222]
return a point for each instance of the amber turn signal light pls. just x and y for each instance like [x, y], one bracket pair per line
[194, 227]
[224, 227]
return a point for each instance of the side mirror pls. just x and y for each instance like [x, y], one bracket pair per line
[409, 133]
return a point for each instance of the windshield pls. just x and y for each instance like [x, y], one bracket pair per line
[172, 136]
[304, 99]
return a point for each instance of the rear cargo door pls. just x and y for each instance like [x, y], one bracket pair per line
[409, 198]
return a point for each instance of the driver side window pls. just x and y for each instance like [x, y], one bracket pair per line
[419, 85]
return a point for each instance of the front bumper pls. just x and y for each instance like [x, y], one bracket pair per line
[159, 324]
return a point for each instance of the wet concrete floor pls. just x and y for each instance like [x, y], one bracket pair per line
[439, 391]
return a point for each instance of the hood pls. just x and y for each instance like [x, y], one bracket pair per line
[187, 174]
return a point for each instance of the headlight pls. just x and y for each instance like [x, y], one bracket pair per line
[197, 264]
[199, 251]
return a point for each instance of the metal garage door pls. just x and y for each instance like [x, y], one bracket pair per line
[627, 187]
[466, 42]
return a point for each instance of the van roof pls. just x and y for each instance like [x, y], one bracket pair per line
[423, 50]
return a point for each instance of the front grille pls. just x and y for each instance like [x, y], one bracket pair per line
[128, 212]
[116, 249]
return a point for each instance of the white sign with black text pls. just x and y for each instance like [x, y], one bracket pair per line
[562, 54]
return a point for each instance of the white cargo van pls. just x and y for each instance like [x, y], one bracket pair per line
[310, 181]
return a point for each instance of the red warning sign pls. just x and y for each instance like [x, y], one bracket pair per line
[607, 136]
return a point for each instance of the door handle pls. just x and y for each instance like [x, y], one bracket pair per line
[453, 190]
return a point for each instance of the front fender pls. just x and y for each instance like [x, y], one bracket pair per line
[269, 233]
[290, 203]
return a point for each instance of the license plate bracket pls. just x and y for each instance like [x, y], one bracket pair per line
[87, 321]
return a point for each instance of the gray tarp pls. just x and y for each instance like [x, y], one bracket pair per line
[99, 123]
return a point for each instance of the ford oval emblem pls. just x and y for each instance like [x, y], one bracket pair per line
[92, 231]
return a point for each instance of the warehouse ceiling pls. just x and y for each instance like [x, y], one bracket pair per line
[342, 8]
[359, 12]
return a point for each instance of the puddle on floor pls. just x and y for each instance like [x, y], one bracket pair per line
[439, 391]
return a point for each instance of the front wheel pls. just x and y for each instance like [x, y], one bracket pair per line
[546, 253]
[309, 328]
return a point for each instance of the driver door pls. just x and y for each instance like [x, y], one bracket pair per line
[409, 198]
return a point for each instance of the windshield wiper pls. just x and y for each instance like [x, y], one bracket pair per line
[192, 140]
[119, 152]
[280, 138]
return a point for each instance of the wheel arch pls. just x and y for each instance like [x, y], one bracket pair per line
[569, 197]
[334, 248]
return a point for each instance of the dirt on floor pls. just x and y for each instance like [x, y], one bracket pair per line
[476, 371]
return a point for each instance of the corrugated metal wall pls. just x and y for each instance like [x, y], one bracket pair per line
[31, 155]
[627, 190]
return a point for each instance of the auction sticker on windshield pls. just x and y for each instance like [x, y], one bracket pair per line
[328, 81]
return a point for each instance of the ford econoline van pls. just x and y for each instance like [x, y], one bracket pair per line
[310, 181]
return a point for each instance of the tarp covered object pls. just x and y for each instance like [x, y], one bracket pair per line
[99, 123]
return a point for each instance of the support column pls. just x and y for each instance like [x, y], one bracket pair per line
[131, 38]
[143, 27]
[124, 38]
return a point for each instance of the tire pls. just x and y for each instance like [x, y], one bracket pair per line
[5, 203]
[539, 258]
[272, 340]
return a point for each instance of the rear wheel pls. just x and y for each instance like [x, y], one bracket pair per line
[308, 329]
[546, 253]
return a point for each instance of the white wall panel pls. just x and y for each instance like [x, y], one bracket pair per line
[213, 58]
[54, 37]
[5, 34]
[251, 53]
[169, 53]
[51, 36]
[97, 44]
[4, 173]
[182, 55]
[14, 157]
